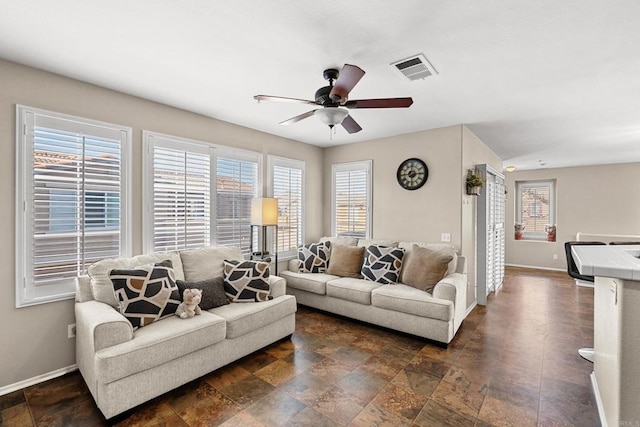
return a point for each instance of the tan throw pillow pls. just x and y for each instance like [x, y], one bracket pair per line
[423, 268]
[346, 261]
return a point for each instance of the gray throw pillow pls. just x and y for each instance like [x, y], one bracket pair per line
[212, 292]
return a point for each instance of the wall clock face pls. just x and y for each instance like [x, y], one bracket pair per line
[412, 174]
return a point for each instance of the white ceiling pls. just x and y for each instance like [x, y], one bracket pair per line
[546, 81]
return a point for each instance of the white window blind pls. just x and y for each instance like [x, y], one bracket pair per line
[181, 205]
[71, 201]
[237, 182]
[352, 199]
[286, 185]
[535, 207]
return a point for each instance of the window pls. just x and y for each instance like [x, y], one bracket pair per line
[178, 194]
[351, 200]
[197, 194]
[535, 207]
[237, 182]
[71, 201]
[286, 183]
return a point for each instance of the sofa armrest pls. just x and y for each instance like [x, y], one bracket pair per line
[98, 326]
[278, 286]
[294, 265]
[454, 288]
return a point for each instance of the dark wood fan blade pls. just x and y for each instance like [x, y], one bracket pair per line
[380, 103]
[347, 79]
[298, 118]
[283, 99]
[351, 125]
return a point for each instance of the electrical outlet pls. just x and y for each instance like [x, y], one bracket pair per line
[555, 256]
[71, 330]
[445, 237]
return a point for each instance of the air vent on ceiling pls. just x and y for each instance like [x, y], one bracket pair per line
[415, 67]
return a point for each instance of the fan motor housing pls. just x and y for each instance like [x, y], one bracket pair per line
[322, 95]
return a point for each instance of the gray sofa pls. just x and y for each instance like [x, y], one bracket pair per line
[436, 316]
[124, 368]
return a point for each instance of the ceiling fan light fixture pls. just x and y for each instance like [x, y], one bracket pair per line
[331, 116]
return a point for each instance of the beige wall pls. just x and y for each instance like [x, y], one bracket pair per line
[601, 199]
[34, 339]
[440, 206]
[474, 152]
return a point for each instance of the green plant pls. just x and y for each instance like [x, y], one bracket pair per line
[474, 180]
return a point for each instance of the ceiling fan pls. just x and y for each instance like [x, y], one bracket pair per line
[335, 96]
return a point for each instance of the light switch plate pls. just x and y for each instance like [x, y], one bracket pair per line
[445, 237]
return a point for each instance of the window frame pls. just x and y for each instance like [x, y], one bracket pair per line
[523, 184]
[215, 151]
[362, 165]
[272, 162]
[26, 292]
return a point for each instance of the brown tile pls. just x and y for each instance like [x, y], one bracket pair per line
[56, 395]
[226, 376]
[11, 399]
[16, 415]
[281, 349]
[242, 419]
[460, 394]
[306, 387]
[156, 412]
[373, 415]
[362, 384]
[400, 401]
[80, 414]
[276, 409]
[383, 366]
[370, 343]
[190, 394]
[256, 361]
[213, 409]
[338, 405]
[417, 380]
[506, 413]
[247, 390]
[309, 417]
[303, 359]
[350, 356]
[278, 372]
[330, 370]
[429, 365]
[436, 414]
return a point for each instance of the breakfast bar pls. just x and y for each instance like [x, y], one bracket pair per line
[616, 365]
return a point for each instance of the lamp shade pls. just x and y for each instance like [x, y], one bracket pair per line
[331, 115]
[264, 211]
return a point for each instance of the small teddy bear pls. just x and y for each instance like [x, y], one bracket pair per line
[189, 306]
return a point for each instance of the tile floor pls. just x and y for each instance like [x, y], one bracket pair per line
[513, 363]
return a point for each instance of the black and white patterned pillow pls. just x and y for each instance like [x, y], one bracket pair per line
[314, 257]
[382, 264]
[147, 293]
[247, 281]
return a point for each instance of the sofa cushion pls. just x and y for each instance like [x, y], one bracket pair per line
[247, 281]
[378, 242]
[101, 285]
[344, 241]
[346, 261]
[314, 257]
[213, 294]
[382, 264]
[310, 282]
[407, 299]
[158, 343]
[445, 248]
[147, 293]
[244, 318]
[424, 268]
[206, 263]
[355, 290]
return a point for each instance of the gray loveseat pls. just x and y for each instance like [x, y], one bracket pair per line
[435, 315]
[124, 367]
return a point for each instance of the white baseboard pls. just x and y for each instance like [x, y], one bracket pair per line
[584, 284]
[535, 267]
[596, 392]
[470, 309]
[37, 380]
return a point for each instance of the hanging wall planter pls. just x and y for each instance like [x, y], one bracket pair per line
[474, 183]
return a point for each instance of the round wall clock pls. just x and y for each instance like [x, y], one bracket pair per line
[412, 174]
